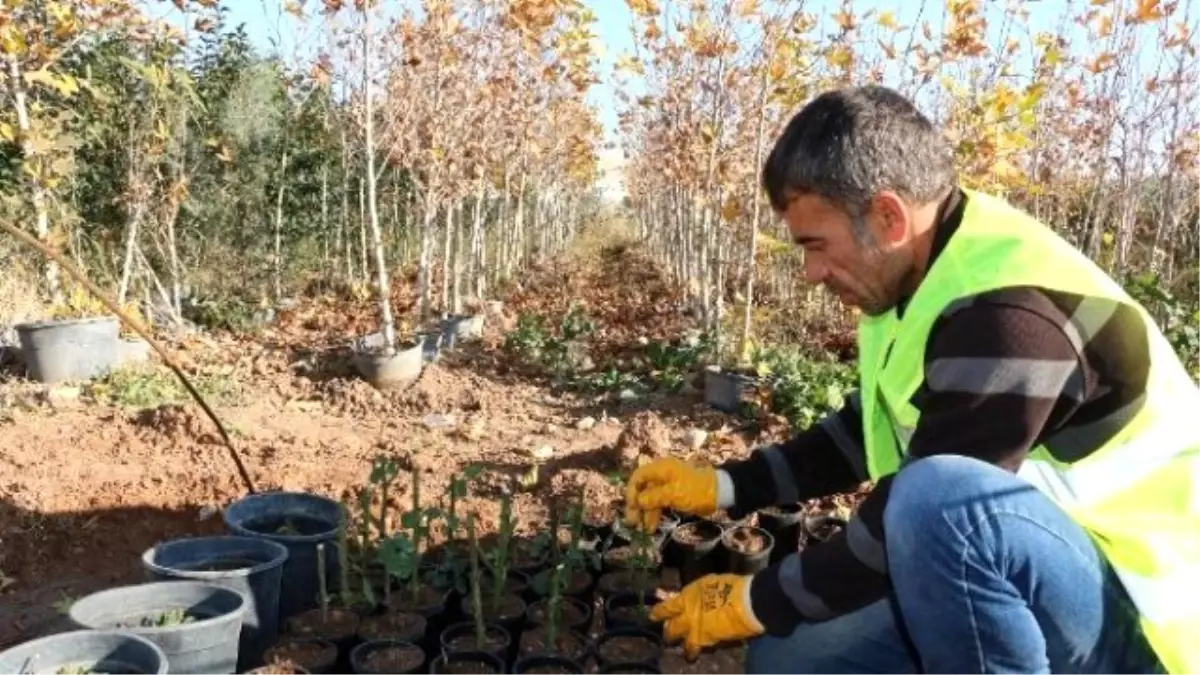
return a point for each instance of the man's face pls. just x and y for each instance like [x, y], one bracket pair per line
[868, 275]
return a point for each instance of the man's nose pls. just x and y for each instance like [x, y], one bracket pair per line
[815, 270]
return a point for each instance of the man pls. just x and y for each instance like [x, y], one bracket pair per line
[1031, 435]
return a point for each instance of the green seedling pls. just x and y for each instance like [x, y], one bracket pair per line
[476, 595]
[498, 559]
[384, 472]
[642, 562]
[558, 581]
[171, 617]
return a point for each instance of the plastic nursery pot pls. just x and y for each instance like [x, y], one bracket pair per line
[623, 610]
[70, 349]
[510, 615]
[299, 521]
[461, 328]
[387, 656]
[694, 547]
[460, 638]
[308, 654]
[628, 646]
[85, 651]
[467, 662]
[196, 624]
[630, 669]
[621, 535]
[724, 390]
[782, 523]
[821, 528]
[248, 565]
[429, 602]
[337, 625]
[398, 626]
[388, 372]
[625, 558]
[747, 549]
[623, 581]
[547, 663]
[571, 644]
[573, 613]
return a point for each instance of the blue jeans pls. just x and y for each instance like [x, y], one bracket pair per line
[989, 576]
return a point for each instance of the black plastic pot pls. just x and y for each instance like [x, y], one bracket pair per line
[374, 627]
[783, 524]
[539, 586]
[821, 528]
[667, 522]
[547, 663]
[345, 638]
[581, 625]
[630, 668]
[206, 644]
[629, 599]
[622, 581]
[323, 659]
[610, 562]
[439, 663]
[251, 566]
[100, 651]
[603, 660]
[696, 558]
[463, 628]
[299, 521]
[437, 615]
[514, 624]
[362, 653]
[738, 562]
[579, 656]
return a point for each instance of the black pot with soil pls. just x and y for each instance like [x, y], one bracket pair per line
[747, 549]
[309, 654]
[628, 646]
[547, 663]
[574, 613]
[667, 522]
[694, 549]
[429, 602]
[461, 638]
[387, 656]
[630, 610]
[396, 626]
[509, 613]
[631, 558]
[336, 625]
[467, 662]
[528, 556]
[783, 523]
[630, 668]
[622, 581]
[821, 528]
[568, 643]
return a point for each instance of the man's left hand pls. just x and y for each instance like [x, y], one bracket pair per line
[710, 610]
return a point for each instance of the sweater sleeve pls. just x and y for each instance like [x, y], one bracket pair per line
[825, 459]
[999, 377]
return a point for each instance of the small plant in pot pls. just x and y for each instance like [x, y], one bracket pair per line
[337, 625]
[502, 602]
[552, 637]
[694, 546]
[478, 635]
[632, 608]
[402, 559]
[580, 561]
[822, 527]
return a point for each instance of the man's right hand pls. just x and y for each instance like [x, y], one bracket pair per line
[669, 483]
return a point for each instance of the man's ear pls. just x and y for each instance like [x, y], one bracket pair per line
[893, 217]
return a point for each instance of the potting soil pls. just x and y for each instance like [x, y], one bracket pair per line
[465, 667]
[628, 556]
[631, 614]
[628, 649]
[533, 641]
[467, 643]
[427, 599]
[511, 606]
[284, 667]
[569, 613]
[305, 654]
[332, 625]
[746, 541]
[392, 626]
[696, 533]
[623, 580]
[395, 659]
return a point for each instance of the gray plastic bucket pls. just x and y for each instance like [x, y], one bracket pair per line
[70, 349]
[460, 328]
[724, 391]
[316, 518]
[102, 651]
[397, 371]
[208, 644]
[257, 576]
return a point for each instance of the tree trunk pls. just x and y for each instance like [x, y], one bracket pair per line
[755, 213]
[344, 226]
[277, 260]
[325, 216]
[456, 292]
[476, 270]
[447, 239]
[362, 231]
[426, 252]
[381, 272]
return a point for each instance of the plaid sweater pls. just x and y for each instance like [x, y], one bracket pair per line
[1002, 376]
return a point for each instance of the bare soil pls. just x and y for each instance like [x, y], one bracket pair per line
[395, 659]
[307, 655]
[278, 668]
[467, 643]
[86, 489]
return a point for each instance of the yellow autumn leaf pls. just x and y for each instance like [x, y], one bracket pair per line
[746, 8]
[1146, 11]
[7, 133]
[292, 7]
[1105, 27]
[887, 20]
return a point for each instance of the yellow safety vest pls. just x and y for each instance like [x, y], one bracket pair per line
[1136, 495]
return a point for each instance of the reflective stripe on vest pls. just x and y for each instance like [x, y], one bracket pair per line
[1129, 480]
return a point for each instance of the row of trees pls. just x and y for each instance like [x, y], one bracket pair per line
[1091, 124]
[174, 158]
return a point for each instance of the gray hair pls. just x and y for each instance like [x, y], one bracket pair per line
[849, 144]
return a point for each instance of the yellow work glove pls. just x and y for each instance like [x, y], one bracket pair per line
[669, 483]
[710, 610]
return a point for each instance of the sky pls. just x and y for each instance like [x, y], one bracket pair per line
[264, 19]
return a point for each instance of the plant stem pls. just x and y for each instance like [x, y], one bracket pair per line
[415, 582]
[476, 596]
[554, 607]
[503, 540]
[324, 592]
[343, 556]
